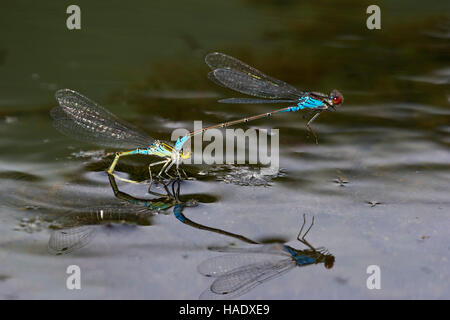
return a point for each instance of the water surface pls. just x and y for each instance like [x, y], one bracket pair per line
[377, 183]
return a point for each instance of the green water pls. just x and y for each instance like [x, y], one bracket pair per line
[389, 143]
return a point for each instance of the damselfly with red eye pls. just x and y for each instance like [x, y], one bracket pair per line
[238, 76]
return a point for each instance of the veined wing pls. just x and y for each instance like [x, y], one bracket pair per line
[81, 118]
[217, 61]
[271, 248]
[70, 239]
[251, 85]
[255, 101]
[78, 227]
[218, 266]
[242, 280]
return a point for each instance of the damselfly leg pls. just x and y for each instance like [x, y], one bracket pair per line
[309, 127]
[168, 195]
[309, 113]
[114, 163]
[184, 172]
[165, 169]
[150, 171]
[301, 238]
[177, 169]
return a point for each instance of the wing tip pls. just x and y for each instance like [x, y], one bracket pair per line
[55, 112]
[210, 57]
[211, 54]
[61, 93]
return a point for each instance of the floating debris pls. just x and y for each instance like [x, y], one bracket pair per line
[341, 280]
[373, 203]
[30, 225]
[31, 207]
[341, 181]
[248, 176]
[10, 119]
[4, 277]
[91, 154]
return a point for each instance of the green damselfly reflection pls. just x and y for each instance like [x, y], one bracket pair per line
[77, 228]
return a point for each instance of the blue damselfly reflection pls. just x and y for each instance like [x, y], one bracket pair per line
[245, 268]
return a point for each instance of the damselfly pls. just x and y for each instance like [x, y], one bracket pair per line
[247, 268]
[236, 75]
[83, 119]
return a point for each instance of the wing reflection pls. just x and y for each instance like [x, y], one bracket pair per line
[242, 269]
[77, 228]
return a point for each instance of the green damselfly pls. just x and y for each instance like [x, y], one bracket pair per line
[83, 119]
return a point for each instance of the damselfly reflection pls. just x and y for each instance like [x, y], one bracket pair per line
[245, 268]
[77, 228]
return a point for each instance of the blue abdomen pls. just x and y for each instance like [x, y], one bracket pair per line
[177, 212]
[145, 151]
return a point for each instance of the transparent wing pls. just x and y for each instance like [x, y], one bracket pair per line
[251, 85]
[272, 248]
[65, 241]
[80, 118]
[78, 227]
[101, 214]
[254, 101]
[243, 279]
[218, 266]
[217, 60]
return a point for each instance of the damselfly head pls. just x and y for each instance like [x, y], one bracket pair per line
[329, 261]
[336, 98]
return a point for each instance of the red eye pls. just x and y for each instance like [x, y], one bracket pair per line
[337, 100]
